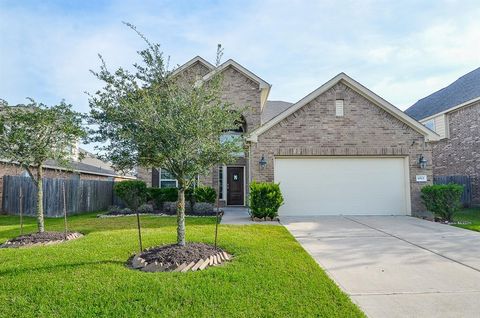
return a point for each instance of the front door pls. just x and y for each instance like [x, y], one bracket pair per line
[235, 184]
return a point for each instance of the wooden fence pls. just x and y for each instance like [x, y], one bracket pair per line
[466, 181]
[81, 195]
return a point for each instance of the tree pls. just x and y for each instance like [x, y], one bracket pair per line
[152, 117]
[134, 193]
[31, 134]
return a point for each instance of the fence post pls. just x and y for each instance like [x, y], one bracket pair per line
[64, 209]
[21, 211]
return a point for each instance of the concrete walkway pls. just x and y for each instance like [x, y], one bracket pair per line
[396, 266]
[240, 216]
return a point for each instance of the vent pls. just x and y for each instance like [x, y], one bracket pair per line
[339, 107]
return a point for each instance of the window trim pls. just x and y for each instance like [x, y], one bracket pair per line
[160, 179]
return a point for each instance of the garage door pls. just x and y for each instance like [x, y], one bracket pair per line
[342, 186]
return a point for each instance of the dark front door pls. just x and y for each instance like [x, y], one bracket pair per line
[235, 184]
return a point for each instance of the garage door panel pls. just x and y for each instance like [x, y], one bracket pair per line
[348, 186]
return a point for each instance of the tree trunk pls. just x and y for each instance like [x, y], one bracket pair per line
[40, 220]
[181, 216]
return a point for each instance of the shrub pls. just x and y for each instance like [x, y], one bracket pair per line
[265, 199]
[132, 192]
[145, 208]
[189, 197]
[118, 210]
[442, 199]
[161, 195]
[205, 194]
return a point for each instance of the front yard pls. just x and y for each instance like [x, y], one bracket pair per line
[271, 275]
[471, 215]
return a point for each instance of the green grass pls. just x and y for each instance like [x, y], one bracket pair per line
[471, 215]
[270, 276]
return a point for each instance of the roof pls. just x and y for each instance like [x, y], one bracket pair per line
[359, 88]
[273, 108]
[464, 89]
[81, 167]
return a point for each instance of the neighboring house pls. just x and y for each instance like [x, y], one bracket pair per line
[76, 169]
[340, 150]
[454, 113]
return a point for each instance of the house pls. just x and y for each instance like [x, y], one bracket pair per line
[454, 113]
[87, 168]
[341, 149]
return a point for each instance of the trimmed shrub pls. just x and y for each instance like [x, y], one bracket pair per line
[132, 192]
[205, 194]
[162, 195]
[443, 200]
[145, 208]
[189, 198]
[265, 199]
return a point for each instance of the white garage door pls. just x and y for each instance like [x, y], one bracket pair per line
[342, 186]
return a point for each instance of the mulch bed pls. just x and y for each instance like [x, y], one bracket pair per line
[173, 257]
[159, 213]
[45, 238]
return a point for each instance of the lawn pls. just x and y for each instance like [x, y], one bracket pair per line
[271, 275]
[471, 215]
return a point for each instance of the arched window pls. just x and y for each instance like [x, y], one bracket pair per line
[236, 134]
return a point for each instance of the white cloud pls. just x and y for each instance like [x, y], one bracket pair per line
[403, 50]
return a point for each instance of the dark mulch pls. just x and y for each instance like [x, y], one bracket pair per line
[210, 213]
[34, 238]
[176, 254]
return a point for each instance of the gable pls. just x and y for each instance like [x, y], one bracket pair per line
[374, 100]
[231, 64]
[194, 69]
[363, 123]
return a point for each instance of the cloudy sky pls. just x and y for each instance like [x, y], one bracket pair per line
[402, 50]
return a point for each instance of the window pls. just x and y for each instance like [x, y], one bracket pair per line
[220, 182]
[167, 180]
[236, 137]
[339, 107]
[430, 124]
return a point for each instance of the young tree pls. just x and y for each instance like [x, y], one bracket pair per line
[153, 118]
[31, 134]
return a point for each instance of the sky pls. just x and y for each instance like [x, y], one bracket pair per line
[401, 50]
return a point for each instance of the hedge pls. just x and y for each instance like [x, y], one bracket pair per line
[199, 194]
[443, 200]
[133, 192]
[265, 199]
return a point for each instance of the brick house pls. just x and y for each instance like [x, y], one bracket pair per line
[454, 113]
[340, 150]
[87, 168]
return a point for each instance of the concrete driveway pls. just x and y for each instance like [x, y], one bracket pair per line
[396, 266]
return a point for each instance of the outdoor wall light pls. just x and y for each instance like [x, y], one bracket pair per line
[263, 162]
[422, 162]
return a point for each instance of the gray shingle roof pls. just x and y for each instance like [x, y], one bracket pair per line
[79, 166]
[273, 108]
[462, 90]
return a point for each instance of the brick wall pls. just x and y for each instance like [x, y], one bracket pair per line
[365, 129]
[460, 153]
[7, 169]
[243, 93]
